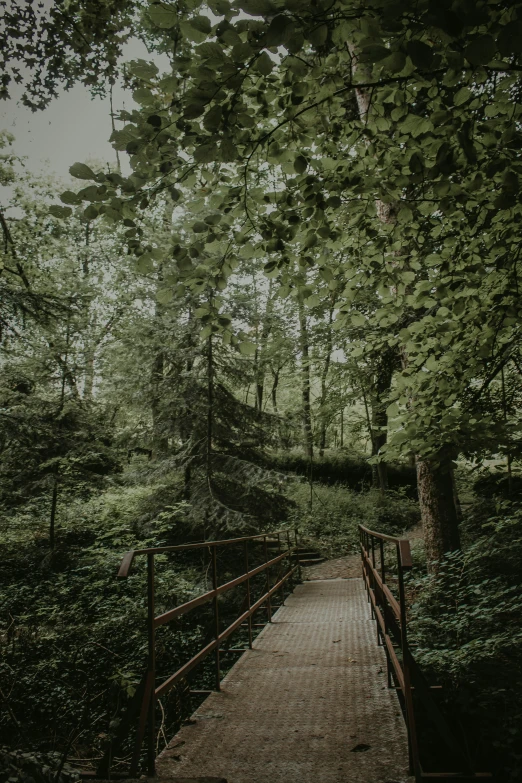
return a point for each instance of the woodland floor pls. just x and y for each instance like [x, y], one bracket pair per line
[349, 567]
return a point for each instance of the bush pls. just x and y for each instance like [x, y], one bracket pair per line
[491, 484]
[347, 468]
[336, 512]
[466, 629]
[34, 768]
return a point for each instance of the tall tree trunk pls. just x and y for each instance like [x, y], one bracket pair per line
[305, 381]
[260, 357]
[186, 425]
[89, 355]
[436, 494]
[324, 377]
[273, 393]
[381, 387]
[159, 439]
[54, 504]
[210, 406]
[439, 514]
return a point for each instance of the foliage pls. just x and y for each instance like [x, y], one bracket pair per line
[324, 195]
[34, 767]
[331, 520]
[342, 467]
[48, 47]
[73, 644]
[465, 626]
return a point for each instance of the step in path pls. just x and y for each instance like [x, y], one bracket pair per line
[309, 704]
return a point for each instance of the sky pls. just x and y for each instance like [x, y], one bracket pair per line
[75, 127]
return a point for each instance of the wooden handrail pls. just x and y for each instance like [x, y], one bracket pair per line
[149, 692]
[128, 558]
[390, 615]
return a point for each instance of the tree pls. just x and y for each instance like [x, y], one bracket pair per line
[279, 93]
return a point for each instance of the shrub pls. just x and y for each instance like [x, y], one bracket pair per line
[336, 512]
[466, 629]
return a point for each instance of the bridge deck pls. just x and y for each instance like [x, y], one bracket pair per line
[309, 704]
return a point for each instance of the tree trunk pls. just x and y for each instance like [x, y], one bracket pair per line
[381, 387]
[275, 384]
[305, 382]
[260, 357]
[210, 407]
[324, 376]
[434, 484]
[439, 514]
[159, 440]
[54, 503]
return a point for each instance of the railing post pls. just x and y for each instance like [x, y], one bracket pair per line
[151, 739]
[280, 570]
[216, 616]
[385, 613]
[297, 554]
[248, 595]
[269, 600]
[408, 699]
[290, 565]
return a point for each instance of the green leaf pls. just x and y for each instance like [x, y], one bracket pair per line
[206, 153]
[247, 348]
[405, 215]
[420, 53]
[163, 15]
[395, 62]
[68, 197]
[145, 264]
[255, 7]
[357, 319]
[461, 96]
[480, 51]
[509, 40]
[90, 213]
[192, 33]
[373, 53]
[165, 295]
[264, 64]
[300, 164]
[199, 227]
[280, 30]
[201, 23]
[60, 212]
[318, 35]
[81, 171]
[143, 69]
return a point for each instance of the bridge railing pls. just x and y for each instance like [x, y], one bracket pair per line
[389, 611]
[143, 704]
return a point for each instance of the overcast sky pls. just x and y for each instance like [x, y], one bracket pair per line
[75, 127]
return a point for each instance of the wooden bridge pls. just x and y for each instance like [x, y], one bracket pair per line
[327, 693]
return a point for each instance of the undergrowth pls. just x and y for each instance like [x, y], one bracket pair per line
[329, 516]
[73, 646]
[466, 631]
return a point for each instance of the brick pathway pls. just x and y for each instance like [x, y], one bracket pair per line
[348, 567]
[309, 704]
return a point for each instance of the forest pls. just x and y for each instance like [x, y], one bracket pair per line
[290, 300]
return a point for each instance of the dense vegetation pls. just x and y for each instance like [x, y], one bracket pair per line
[293, 298]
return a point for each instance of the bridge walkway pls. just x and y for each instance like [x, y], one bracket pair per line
[308, 704]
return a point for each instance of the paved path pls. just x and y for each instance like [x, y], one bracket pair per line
[308, 704]
[348, 567]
